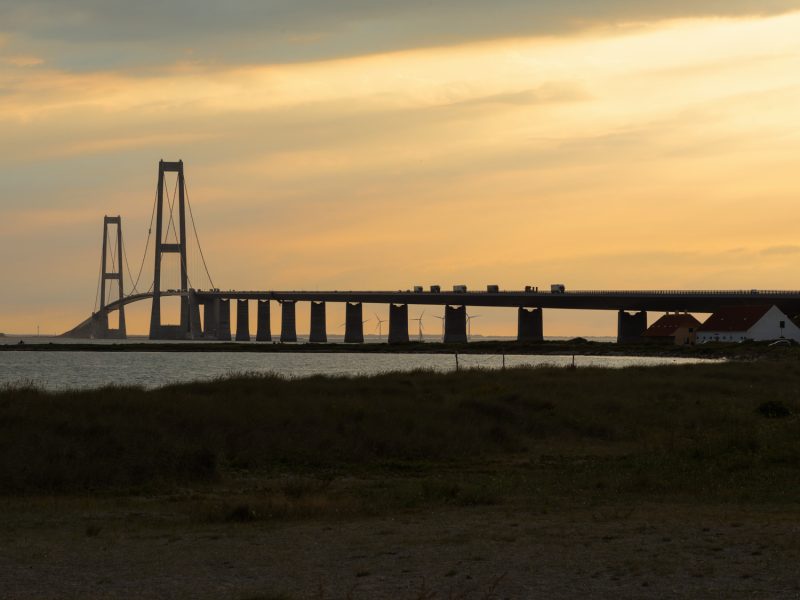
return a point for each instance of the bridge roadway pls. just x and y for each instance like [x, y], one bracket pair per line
[656, 300]
[216, 322]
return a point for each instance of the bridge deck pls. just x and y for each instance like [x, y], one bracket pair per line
[699, 301]
[654, 300]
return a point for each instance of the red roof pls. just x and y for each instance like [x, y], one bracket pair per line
[734, 318]
[667, 325]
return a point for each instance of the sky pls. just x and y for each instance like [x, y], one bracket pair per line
[363, 144]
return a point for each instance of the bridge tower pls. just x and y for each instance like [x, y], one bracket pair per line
[100, 328]
[157, 330]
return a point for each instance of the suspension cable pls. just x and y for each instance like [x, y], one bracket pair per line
[171, 202]
[197, 237]
[146, 246]
[114, 251]
[99, 283]
[128, 266]
[171, 224]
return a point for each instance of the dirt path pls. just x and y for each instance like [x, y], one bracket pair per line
[458, 553]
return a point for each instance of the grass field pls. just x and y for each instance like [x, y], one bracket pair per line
[416, 485]
[698, 432]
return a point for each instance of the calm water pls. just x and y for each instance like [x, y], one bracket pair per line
[68, 369]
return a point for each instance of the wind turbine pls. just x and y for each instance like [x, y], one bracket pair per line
[345, 323]
[442, 320]
[379, 326]
[419, 322]
[469, 324]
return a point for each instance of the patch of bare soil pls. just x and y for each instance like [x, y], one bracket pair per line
[645, 552]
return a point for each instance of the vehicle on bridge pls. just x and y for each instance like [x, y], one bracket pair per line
[557, 288]
[460, 289]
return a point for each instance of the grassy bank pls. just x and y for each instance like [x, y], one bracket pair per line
[578, 346]
[541, 437]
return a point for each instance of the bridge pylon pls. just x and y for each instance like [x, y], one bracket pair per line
[158, 331]
[96, 326]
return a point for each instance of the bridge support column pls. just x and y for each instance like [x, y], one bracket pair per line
[288, 322]
[99, 326]
[122, 332]
[242, 321]
[211, 319]
[224, 320]
[630, 327]
[455, 324]
[195, 326]
[353, 323]
[398, 323]
[530, 327]
[263, 329]
[318, 332]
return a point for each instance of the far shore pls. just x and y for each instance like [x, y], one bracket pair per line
[577, 347]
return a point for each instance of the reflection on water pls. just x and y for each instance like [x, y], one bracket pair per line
[70, 369]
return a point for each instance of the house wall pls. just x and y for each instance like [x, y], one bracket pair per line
[721, 336]
[683, 336]
[767, 328]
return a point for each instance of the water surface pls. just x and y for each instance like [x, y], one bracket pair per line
[80, 369]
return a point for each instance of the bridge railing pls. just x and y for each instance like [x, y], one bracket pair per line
[753, 293]
[548, 293]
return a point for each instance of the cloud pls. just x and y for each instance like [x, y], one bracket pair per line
[22, 61]
[544, 94]
[91, 34]
[599, 160]
[780, 250]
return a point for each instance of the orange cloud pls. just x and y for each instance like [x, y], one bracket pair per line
[631, 158]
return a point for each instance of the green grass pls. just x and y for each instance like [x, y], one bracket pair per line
[538, 437]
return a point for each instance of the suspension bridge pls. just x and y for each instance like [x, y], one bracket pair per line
[205, 310]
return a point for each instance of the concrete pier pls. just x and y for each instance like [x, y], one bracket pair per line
[318, 331]
[353, 323]
[398, 323]
[288, 321]
[224, 321]
[530, 326]
[242, 321]
[211, 319]
[455, 324]
[263, 326]
[121, 333]
[630, 327]
[99, 327]
[195, 325]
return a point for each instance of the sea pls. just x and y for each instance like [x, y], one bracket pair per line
[68, 369]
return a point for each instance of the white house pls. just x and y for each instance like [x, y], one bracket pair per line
[739, 323]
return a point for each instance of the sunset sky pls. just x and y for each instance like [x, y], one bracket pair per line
[363, 144]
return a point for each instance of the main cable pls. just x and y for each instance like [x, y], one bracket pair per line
[99, 283]
[146, 245]
[197, 237]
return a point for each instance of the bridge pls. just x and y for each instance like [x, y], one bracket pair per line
[205, 314]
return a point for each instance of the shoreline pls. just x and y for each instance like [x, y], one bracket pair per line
[741, 351]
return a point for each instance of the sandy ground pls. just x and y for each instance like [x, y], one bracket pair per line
[652, 552]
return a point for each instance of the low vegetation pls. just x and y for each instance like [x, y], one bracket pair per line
[748, 350]
[267, 447]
